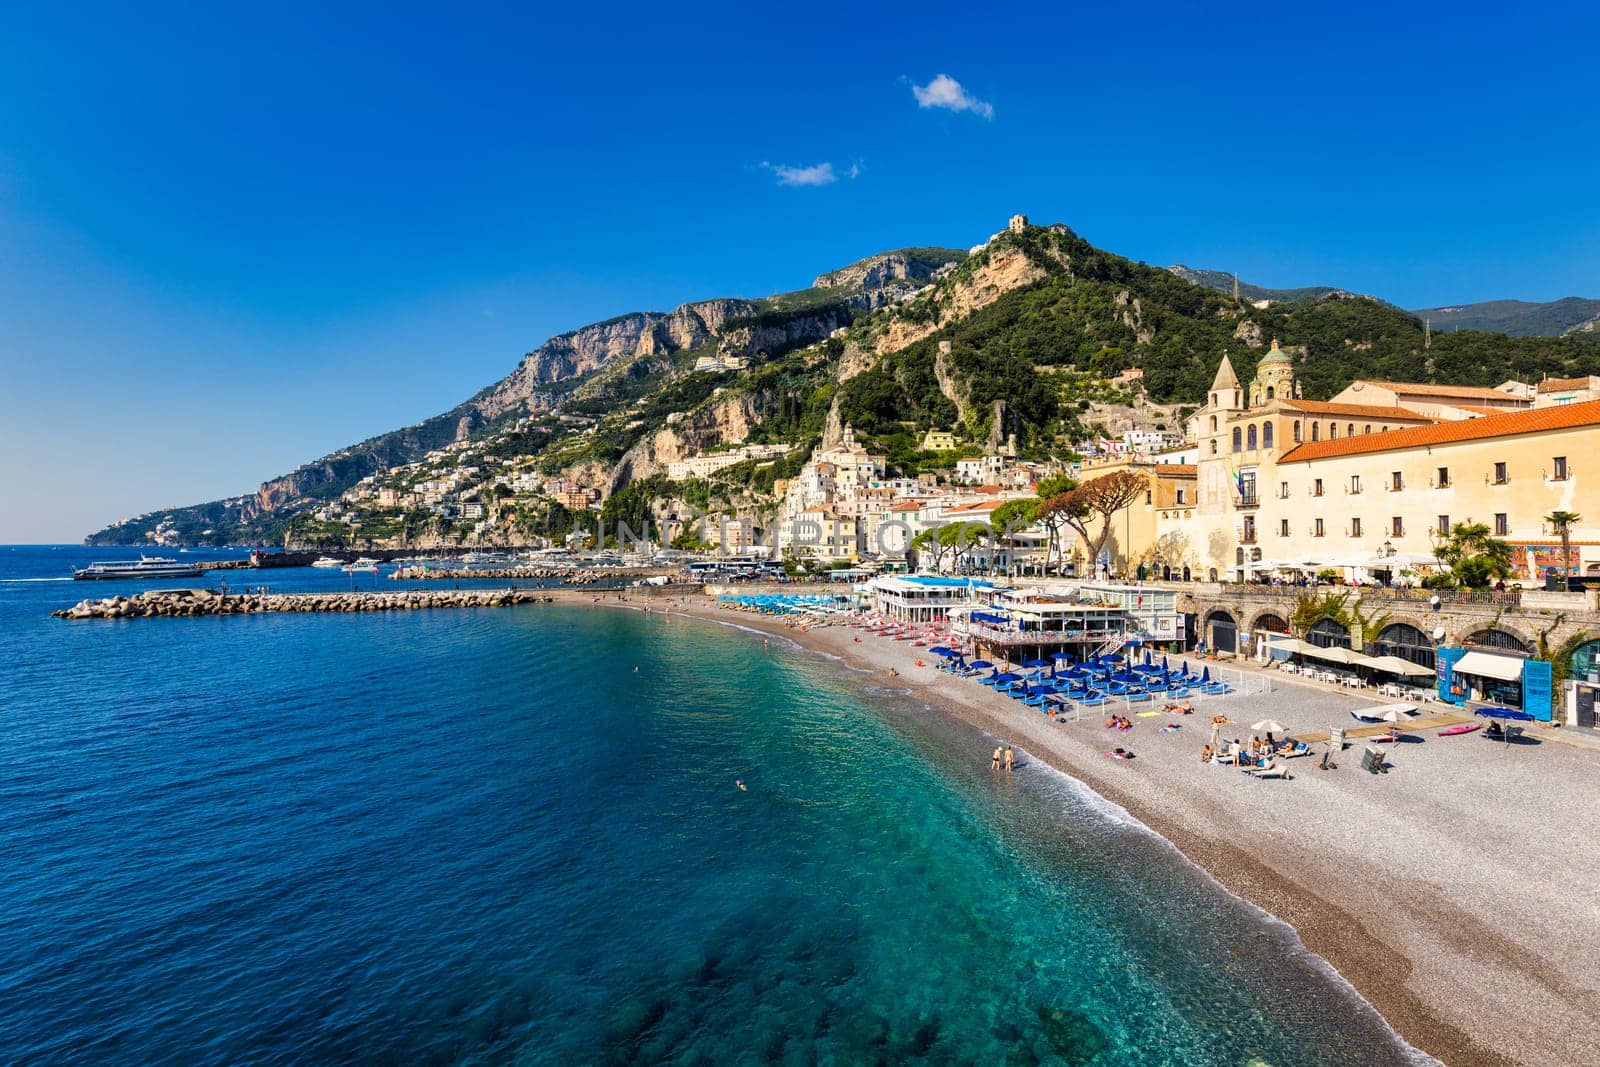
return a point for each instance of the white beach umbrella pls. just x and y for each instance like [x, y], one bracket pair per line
[1268, 726]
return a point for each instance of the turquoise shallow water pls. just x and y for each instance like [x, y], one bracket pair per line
[483, 837]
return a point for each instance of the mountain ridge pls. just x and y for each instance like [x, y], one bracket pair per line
[1515, 318]
[1011, 338]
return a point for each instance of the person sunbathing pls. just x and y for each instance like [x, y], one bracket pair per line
[1206, 754]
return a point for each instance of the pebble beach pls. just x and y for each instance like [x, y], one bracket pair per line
[1459, 892]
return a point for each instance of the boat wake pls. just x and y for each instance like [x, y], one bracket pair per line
[19, 581]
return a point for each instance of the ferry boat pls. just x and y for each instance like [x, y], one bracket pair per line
[143, 567]
[327, 561]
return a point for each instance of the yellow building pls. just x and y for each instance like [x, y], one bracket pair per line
[938, 441]
[1151, 531]
[1443, 402]
[1404, 491]
[1241, 434]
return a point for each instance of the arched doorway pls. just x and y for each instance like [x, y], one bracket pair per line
[1406, 642]
[1328, 633]
[1223, 631]
[1271, 624]
[1497, 639]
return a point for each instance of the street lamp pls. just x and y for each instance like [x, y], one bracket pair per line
[1388, 548]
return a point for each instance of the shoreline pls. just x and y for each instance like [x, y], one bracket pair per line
[1328, 907]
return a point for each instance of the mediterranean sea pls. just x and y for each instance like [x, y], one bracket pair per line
[515, 836]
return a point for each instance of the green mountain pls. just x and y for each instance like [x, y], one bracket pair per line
[1519, 318]
[1223, 282]
[1021, 337]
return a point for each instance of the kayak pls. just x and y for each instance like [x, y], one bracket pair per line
[1464, 728]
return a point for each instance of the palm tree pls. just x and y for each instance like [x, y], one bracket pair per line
[1562, 523]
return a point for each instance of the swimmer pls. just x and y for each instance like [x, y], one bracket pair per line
[994, 764]
[1011, 758]
[740, 783]
[636, 670]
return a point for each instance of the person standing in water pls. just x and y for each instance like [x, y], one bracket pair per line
[994, 764]
[1011, 758]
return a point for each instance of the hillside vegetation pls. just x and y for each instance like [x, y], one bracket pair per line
[1020, 337]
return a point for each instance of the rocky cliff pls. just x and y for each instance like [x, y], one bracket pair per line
[879, 271]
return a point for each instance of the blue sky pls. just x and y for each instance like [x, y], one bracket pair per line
[234, 240]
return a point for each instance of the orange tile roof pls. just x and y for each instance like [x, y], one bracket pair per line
[1555, 385]
[1504, 424]
[1355, 411]
[1177, 470]
[1482, 392]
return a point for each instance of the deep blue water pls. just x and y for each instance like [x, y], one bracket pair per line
[483, 837]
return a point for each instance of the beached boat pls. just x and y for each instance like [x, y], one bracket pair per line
[1460, 728]
[143, 567]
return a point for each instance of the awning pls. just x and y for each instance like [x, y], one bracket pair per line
[1396, 665]
[1337, 654]
[1488, 665]
[1289, 644]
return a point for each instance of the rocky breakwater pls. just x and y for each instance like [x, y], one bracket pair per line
[180, 603]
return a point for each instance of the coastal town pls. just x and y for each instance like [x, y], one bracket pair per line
[631, 535]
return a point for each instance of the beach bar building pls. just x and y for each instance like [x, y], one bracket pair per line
[922, 598]
[1155, 611]
[1023, 624]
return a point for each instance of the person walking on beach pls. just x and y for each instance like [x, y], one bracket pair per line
[1011, 758]
[994, 764]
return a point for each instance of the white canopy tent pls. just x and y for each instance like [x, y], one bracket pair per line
[1396, 665]
[1488, 665]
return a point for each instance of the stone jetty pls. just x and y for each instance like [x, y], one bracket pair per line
[175, 603]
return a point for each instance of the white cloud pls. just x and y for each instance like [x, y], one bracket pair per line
[944, 91]
[816, 174]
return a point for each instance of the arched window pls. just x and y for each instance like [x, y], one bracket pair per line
[1326, 633]
[1368, 429]
[1296, 431]
[1237, 437]
[1315, 432]
[1250, 437]
[1270, 624]
[1497, 639]
[1333, 431]
[1266, 435]
[1213, 424]
[1213, 448]
[1349, 429]
[1406, 642]
[1270, 392]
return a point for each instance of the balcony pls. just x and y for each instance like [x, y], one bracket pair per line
[1246, 500]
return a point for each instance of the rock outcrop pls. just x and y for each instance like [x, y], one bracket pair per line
[880, 271]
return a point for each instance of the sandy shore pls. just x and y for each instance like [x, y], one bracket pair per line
[1459, 893]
